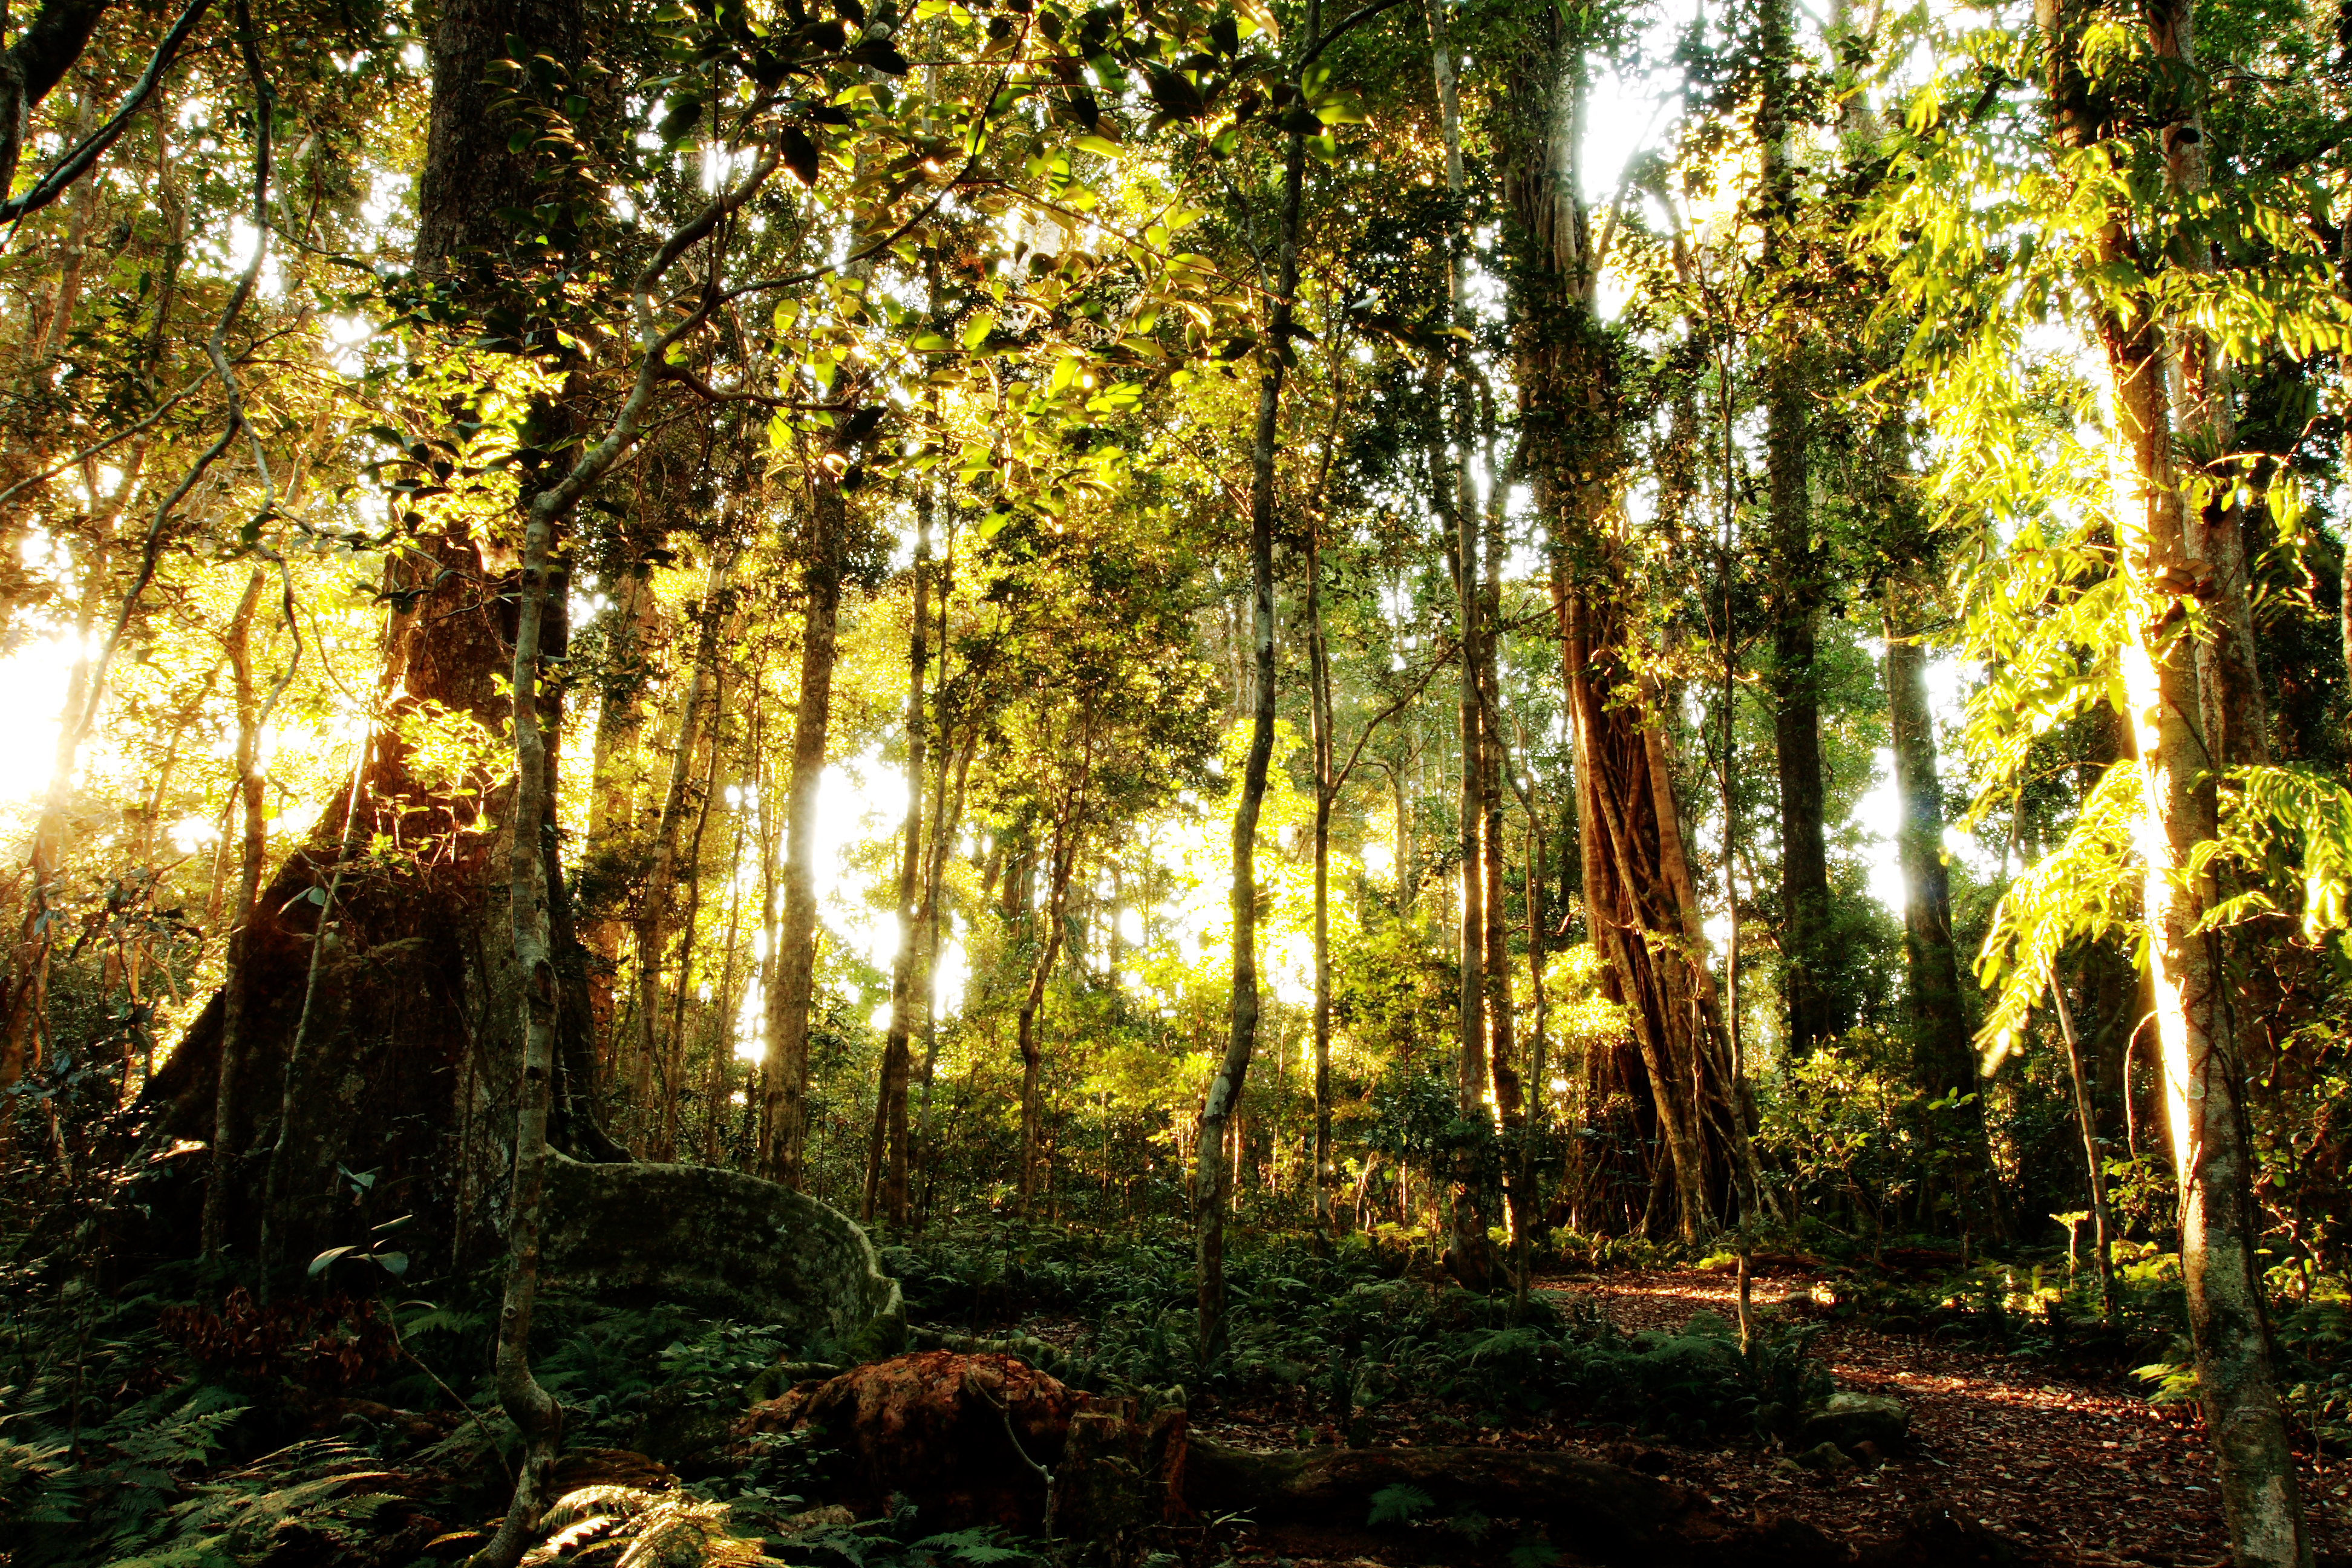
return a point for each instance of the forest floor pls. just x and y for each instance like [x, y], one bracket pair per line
[2078, 1467]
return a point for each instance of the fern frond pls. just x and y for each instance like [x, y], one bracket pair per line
[2081, 890]
[2287, 827]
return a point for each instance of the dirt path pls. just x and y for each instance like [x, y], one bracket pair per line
[2082, 1469]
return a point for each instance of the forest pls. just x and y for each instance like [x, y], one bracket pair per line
[903, 783]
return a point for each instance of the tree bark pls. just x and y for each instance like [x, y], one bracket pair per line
[1815, 1010]
[253, 843]
[613, 783]
[2202, 1069]
[1495, 967]
[889, 1162]
[535, 1413]
[1471, 1256]
[1225, 1090]
[1318, 674]
[420, 1010]
[785, 1073]
[1068, 828]
[661, 871]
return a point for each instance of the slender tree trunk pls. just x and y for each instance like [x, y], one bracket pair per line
[891, 1111]
[2086, 1117]
[1326, 788]
[613, 789]
[783, 1127]
[1943, 1060]
[722, 1030]
[944, 820]
[2229, 675]
[661, 872]
[1495, 968]
[1470, 1260]
[1225, 1087]
[534, 1411]
[1815, 1009]
[674, 1075]
[2204, 1074]
[227, 1114]
[1068, 832]
[27, 1003]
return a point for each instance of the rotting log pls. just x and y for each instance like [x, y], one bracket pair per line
[986, 1438]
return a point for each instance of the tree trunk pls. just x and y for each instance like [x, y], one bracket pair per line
[227, 1114]
[535, 1413]
[1068, 831]
[1471, 1258]
[1574, 453]
[1241, 1040]
[1495, 967]
[1326, 789]
[420, 1012]
[785, 1073]
[613, 790]
[2204, 1074]
[661, 871]
[889, 1162]
[1815, 1010]
[28, 1002]
[1943, 1060]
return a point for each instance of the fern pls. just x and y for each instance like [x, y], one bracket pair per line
[1399, 1504]
[317, 1488]
[982, 1545]
[654, 1530]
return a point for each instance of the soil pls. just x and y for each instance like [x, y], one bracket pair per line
[2072, 1468]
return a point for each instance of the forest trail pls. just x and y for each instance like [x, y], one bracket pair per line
[2086, 1470]
[2078, 1468]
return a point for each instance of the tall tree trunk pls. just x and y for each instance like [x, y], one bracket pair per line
[2086, 1118]
[784, 1077]
[947, 812]
[613, 790]
[2233, 715]
[1943, 1061]
[253, 842]
[427, 1037]
[1495, 967]
[1326, 787]
[27, 1018]
[1241, 1040]
[1574, 452]
[1471, 1258]
[891, 1111]
[2203, 1072]
[661, 871]
[1069, 830]
[1815, 1009]
[535, 1413]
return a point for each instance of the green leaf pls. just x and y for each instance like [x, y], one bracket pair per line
[976, 331]
[1399, 1504]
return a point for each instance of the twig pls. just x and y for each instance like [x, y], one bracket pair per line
[1004, 1410]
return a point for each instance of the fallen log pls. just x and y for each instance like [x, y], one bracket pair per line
[984, 1438]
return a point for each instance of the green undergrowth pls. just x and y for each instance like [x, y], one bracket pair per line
[1359, 1329]
[2042, 1307]
[181, 1425]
